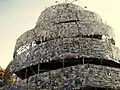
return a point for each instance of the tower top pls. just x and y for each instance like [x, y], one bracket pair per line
[67, 1]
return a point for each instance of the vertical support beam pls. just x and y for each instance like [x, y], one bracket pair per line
[101, 61]
[63, 63]
[26, 73]
[38, 68]
[83, 60]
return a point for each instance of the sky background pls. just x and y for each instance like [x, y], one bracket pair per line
[18, 16]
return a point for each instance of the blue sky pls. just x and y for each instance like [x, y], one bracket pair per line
[18, 16]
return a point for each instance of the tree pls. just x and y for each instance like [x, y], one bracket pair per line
[2, 71]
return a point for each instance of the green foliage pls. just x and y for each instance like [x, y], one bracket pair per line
[8, 80]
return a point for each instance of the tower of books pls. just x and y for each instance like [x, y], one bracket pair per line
[70, 48]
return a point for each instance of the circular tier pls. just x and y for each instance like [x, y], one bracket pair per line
[77, 77]
[72, 18]
[63, 48]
